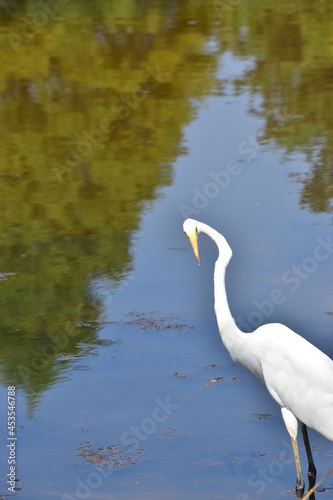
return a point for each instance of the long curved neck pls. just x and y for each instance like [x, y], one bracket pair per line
[225, 321]
[230, 334]
[242, 347]
[238, 343]
[232, 337]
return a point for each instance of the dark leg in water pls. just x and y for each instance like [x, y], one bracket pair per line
[312, 473]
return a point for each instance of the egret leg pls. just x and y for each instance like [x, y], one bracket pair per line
[292, 427]
[312, 472]
[299, 481]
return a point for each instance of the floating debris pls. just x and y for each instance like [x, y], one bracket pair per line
[110, 456]
[262, 416]
[213, 381]
[153, 321]
[216, 380]
[169, 434]
[209, 462]
[208, 367]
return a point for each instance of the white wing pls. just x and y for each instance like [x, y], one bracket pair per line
[298, 375]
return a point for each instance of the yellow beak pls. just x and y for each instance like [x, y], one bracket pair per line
[194, 242]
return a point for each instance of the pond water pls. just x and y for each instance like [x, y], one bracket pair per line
[118, 122]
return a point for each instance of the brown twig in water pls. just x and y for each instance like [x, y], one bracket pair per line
[317, 484]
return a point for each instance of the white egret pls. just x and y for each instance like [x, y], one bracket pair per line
[297, 375]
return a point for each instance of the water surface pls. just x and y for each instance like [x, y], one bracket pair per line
[117, 123]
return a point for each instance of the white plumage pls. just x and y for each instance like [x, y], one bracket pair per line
[298, 376]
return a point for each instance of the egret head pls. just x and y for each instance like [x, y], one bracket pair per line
[191, 230]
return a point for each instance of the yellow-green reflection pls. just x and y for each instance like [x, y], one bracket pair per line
[94, 98]
[292, 47]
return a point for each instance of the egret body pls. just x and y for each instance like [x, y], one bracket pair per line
[298, 376]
